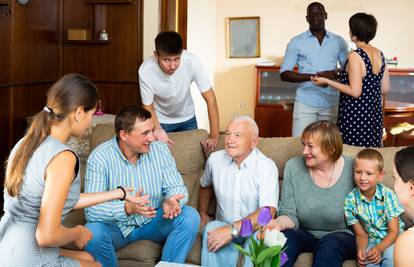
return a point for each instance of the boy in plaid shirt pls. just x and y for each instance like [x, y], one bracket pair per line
[373, 211]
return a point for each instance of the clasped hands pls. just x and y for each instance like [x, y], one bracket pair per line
[321, 78]
[373, 256]
[138, 204]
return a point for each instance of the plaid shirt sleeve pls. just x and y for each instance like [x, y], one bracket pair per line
[350, 209]
[392, 205]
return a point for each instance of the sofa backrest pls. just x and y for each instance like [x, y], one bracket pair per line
[190, 158]
[281, 149]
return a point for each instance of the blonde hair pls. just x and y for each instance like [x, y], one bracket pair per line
[64, 96]
[327, 135]
[371, 154]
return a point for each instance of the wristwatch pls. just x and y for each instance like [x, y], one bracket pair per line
[234, 231]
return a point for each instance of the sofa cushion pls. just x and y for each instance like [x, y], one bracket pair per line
[143, 250]
[280, 150]
[188, 151]
[387, 153]
[101, 133]
[192, 182]
[305, 260]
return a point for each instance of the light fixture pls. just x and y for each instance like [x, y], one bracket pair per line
[23, 2]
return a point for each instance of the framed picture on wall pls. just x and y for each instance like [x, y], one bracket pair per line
[243, 37]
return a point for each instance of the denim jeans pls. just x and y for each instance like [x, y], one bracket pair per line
[387, 257]
[191, 124]
[329, 251]
[178, 234]
[303, 115]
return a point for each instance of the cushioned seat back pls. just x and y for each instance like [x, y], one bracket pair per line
[187, 151]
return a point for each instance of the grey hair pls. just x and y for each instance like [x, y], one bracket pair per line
[248, 120]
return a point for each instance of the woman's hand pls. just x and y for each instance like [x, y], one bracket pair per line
[320, 81]
[272, 225]
[84, 235]
[136, 198]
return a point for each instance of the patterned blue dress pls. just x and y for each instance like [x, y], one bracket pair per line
[360, 120]
[18, 244]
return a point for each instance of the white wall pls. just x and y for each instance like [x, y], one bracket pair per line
[201, 40]
[280, 20]
[150, 26]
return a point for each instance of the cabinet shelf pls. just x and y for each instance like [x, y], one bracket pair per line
[109, 1]
[87, 42]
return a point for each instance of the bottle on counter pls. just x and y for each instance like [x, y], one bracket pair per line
[103, 36]
[99, 109]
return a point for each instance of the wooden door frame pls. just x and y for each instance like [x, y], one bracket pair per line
[173, 17]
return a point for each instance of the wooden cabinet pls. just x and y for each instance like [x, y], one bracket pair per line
[399, 104]
[274, 103]
[275, 99]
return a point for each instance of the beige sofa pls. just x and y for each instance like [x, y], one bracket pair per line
[190, 161]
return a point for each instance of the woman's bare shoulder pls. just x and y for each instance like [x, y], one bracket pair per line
[406, 237]
[403, 255]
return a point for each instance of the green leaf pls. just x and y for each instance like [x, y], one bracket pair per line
[267, 263]
[242, 250]
[253, 252]
[261, 245]
[268, 253]
[255, 245]
[275, 261]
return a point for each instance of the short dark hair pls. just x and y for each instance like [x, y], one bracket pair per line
[371, 154]
[315, 4]
[126, 118]
[327, 135]
[404, 164]
[363, 26]
[169, 42]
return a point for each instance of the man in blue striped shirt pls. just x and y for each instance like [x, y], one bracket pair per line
[132, 160]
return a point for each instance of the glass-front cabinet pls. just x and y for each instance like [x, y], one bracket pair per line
[272, 91]
[274, 102]
[275, 99]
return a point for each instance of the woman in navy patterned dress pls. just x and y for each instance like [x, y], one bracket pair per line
[362, 83]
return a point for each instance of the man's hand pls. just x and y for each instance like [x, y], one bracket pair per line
[139, 206]
[171, 206]
[361, 257]
[162, 136]
[218, 238]
[374, 255]
[209, 144]
[329, 74]
[204, 219]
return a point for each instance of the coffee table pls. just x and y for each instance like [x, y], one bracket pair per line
[171, 264]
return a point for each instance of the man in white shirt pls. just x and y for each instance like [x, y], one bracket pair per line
[165, 81]
[243, 181]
